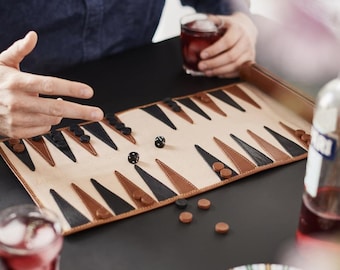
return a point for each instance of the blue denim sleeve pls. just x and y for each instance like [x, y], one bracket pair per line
[225, 7]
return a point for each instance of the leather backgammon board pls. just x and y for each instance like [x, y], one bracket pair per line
[147, 157]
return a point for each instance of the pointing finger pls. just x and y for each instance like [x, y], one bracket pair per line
[67, 109]
[46, 85]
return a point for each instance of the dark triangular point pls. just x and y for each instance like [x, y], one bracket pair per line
[71, 214]
[210, 159]
[161, 191]
[291, 147]
[97, 130]
[58, 140]
[221, 95]
[156, 112]
[259, 158]
[116, 203]
[193, 106]
[23, 155]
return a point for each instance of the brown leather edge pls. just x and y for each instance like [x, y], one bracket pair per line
[21, 179]
[298, 102]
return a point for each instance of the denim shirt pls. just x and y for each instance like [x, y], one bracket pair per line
[77, 31]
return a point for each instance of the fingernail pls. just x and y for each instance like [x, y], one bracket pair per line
[86, 92]
[97, 115]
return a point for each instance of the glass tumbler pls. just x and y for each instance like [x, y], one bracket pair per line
[30, 238]
[198, 31]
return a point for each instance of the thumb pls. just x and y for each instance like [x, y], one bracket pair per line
[18, 50]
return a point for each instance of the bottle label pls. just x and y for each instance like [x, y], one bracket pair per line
[323, 144]
[313, 169]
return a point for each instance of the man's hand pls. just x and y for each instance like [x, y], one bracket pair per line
[236, 47]
[23, 113]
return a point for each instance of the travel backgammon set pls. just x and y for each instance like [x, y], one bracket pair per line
[147, 157]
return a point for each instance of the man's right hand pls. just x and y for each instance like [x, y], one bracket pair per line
[23, 113]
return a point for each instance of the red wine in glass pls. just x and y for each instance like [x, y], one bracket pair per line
[198, 31]
[30, 241]
[319, 221]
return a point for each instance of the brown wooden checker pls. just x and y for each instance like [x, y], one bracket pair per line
[252, 127]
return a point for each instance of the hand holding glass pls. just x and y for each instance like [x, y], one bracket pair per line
[198, 31]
